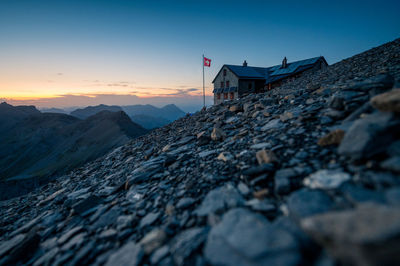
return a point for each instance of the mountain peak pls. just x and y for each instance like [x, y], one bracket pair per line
[92, 110]
[170, 111]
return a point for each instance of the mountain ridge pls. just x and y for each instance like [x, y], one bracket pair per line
[40, 145]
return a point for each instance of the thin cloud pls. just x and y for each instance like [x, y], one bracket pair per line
[98, 83]
[117, 85]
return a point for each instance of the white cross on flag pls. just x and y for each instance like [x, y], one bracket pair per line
[207, 62]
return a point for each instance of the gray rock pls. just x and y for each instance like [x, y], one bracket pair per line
[273, 124]
[369, 136]
[8, 245]
[257, 170]
[218, 134]
[326, 179]
[185, 140]
[185, 243]
[85, 206]
[108, 218]
[392, 196]
[357, 194]
[138, 177]
[261, 145]
[305, 202]
[243, 188]
[27, 226]
[125, 221]
[246, 238]
[261, 205]
[380, 83]
[84, 254]
[109, 234]
[149, 219]
[283, 181]
[185, 203]
[205, 154]
[79, 194]
[159, 254]
[337, 102]
[51, 219]
[47, 257]
[75, 241]
[394, 149]
[19, 248]
[367, 235]
[392, 164]
[65, 237]
[130, 254]
[153, 240]
[220, 199]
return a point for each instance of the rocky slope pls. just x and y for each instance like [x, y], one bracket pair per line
[305, 175]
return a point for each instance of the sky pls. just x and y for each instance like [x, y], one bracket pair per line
[78, 53]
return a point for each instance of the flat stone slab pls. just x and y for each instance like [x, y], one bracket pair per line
[326, 179]
[219, 199]
[130, 254]
[366, 235]
[247, 238]
[305, 202]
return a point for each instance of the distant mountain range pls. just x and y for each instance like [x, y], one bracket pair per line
[38, 145]
[170, 112]
[54, 110]
[150, 122]
[148, 116]
[92, 110]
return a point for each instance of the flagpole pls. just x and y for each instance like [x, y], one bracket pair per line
[204, 93]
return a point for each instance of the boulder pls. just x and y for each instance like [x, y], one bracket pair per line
[130, 254]
[220, 199]
[305, 202]
[186, 243]
[326, 179]
[366, 235]
[369, 136]
[388, 101]
[247, 238]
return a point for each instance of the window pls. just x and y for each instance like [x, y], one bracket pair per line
[232, 95]
[219, 96]
[224, 72]
[227, 83]
[226, 96]
[222, 84]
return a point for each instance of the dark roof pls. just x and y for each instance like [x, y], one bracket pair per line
[245, 72]
[274, 73]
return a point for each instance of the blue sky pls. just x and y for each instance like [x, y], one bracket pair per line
[151, 50]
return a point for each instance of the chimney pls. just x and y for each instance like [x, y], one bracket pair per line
[284, 62]
[245, 63]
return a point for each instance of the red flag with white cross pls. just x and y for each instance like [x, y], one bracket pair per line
[207, 62]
